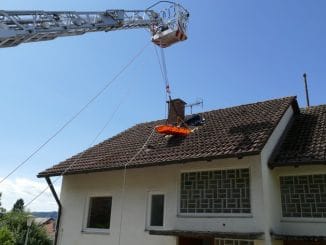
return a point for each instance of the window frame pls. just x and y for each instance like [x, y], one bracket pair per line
[216, 240]
[89, 230]
[214, 215]
[297, 219]
[149, 210]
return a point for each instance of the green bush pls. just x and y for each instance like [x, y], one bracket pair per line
[6, 236]
[16, 222]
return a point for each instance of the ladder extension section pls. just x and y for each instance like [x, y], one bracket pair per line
[16, 27]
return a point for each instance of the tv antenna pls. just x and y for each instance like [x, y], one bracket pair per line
[196, 103]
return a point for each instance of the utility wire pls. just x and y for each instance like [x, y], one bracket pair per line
[80, 156]
[75, 115]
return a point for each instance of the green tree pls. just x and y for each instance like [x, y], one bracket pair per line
[14, 225]
[18, 206]
[2, 210]
[17, 224]
[6, 236]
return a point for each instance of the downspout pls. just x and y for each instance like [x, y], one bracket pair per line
[54, 193]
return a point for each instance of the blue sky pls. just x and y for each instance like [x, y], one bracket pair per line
[238, 52]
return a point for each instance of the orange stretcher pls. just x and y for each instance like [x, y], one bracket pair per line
[172, 130]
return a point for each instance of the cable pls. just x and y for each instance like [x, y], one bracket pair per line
[165, 72]
[75, 115]
[162, 73]
[124, 183]
[76, 160]
[160, 64]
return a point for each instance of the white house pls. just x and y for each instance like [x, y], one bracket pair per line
[250, 174]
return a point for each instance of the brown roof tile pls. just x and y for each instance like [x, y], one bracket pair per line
[305, 142]
[230, 132]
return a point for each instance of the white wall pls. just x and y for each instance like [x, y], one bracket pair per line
[265, 201]
[269, 188]
[296, 226]
[272, 198]
[139, 182]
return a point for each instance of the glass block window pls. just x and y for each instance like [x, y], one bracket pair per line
[233, 242]
[219, 191]
[303, 196]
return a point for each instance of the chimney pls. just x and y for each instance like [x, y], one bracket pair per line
[176, 111]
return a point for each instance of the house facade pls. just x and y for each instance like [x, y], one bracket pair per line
[48, 224]
[251, 174]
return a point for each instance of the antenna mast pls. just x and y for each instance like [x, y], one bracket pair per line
[306, 88]
[198, 102]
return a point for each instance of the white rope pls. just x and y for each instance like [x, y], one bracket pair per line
[164, 81]
[165, 72]
[124, 183]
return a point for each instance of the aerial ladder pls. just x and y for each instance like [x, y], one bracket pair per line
[167, 26]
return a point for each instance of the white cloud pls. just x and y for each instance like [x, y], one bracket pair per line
[27, 189]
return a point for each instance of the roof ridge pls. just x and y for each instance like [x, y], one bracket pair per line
[304, 142]
[225, 108]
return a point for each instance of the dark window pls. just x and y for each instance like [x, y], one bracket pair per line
[195, 241]
[233, 242]
[157, 210]
[99, 212]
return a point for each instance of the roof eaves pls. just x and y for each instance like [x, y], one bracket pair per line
[144, 165]
[296, 163]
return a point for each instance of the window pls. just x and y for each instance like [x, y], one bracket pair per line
[213, 192]
[233, 242]
[99, 213]
[195, 241]
[303, 196]
[157, 210]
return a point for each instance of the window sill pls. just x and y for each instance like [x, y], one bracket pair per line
[96, 231]
[154, 228]
[214, 215]
[303, 220]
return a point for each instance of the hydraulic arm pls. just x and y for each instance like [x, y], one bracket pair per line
[167, 26]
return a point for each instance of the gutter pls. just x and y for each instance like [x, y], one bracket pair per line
[146, 165]
[54, 193]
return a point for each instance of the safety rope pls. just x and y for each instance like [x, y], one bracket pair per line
[165, 73]
[163, 68]
[164, 81]
[123, 189]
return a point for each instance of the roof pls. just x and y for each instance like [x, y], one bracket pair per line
[305, 142]
[42, 221]
[231, 132]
